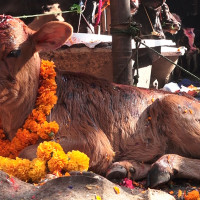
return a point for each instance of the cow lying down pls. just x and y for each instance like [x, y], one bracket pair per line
[125, 130]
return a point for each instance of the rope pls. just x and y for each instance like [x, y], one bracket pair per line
[194, 76]
[133, 29]
[82, 9]
[154, 32]
[148, 17]
[55, 13]
[99, 13]
[136, 77]
[38, 15]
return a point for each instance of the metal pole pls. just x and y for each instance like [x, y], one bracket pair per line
[121, 43]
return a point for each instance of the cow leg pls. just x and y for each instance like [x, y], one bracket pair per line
[172, 166]
[131, 169]
[29, 152]
[86, 138]
[178, 119]
[90, 140]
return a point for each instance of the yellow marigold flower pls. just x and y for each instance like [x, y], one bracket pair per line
[22, 169]
[3, 160]
[98, 197]
[45, 149]
[117, 191]
[78, 161]
[58, 161]
[37, 170]
[180, 193]
[18, 168]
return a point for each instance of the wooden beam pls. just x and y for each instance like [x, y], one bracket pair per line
[121, 43]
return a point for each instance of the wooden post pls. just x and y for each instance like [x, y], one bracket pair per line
[121, 43]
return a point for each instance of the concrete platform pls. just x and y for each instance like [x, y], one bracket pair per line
[92, 53]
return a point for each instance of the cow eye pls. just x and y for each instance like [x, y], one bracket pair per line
[14, 53]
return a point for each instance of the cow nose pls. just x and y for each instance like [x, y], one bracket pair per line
[178, 25]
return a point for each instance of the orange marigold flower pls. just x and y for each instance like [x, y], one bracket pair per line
[2, 135]
[31, 125]
[67, 174]
[193, 195]
[38, 116]
[47, 128]
[149, 118]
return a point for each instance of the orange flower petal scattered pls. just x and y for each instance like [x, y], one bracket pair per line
[180, 193]
[193, 195]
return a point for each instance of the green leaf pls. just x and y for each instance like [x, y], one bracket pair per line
[76, 7]
[51, 134]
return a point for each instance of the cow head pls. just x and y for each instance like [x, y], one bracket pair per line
[19, 47]
[155, 18]
[148, 16]
[170, 22]
[20, 66]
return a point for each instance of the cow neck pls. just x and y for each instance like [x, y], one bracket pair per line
[36, 125]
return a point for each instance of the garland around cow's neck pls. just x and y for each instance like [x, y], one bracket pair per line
[36, 124]
[50, 155]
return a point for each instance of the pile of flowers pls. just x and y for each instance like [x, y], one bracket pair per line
[50, 158]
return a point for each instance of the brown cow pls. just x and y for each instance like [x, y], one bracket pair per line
[120, 127]
[155, 18]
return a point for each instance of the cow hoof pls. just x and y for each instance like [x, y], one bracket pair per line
[157, 176]
[116, 171]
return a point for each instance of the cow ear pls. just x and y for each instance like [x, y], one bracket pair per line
[52, 35]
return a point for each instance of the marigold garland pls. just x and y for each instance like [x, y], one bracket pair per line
[50, 158]
[50, 155]
[36, 125]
